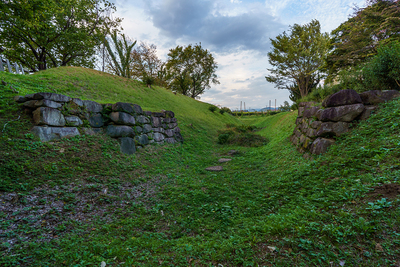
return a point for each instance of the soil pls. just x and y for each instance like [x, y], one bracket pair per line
[389, 191]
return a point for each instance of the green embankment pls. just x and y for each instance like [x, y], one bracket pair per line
[79, 202]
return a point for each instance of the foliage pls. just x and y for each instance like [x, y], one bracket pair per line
[225, 109]
[45, 34]
[212, 108]
[119, 57]
[357, 39]
[191, 70]
[285, 107]
[383, 71]
[241, 135]
[146, 66]
[297, 58]
[321, 92]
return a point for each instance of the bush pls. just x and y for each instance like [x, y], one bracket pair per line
[241, 135]
[383, 71]
[225, 109]
[212, 108]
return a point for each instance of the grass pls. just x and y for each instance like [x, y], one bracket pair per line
[78, 201]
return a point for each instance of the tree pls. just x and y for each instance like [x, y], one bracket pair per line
[191, 70]
[285, 107]
[119, 54]
[297, 58]
[357, 39]
[146, 65]
[44, 34]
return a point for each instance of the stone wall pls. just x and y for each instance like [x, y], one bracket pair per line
[318, 125]
[56, 116]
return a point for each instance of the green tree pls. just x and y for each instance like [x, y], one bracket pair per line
[285, 107]
[357, 39]
[119, 54]
[297, 58]
[44, 34]
[191, 70]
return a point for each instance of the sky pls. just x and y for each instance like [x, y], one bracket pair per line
[236, 32]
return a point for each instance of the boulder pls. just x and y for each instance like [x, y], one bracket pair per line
[315, 124]
[137, 109]
[127, 145]
[120, 131]
[147, 128]
[52, 97]
[178, 137]
[310, 112]
[73, 121]
[341, 98]
[172, 125]
[158, 137]
[142, 119]
[155, 121]
[311, 132]
[92, 106]
[147, 113]
[158, 130]
[169, 114]
[321, 145]
[92, 131]
[342, 113]
[122, 118]
[30, 104]
[308, 104]
[332, 129]
[142, 139]
[47, 103]
[295, 140]
[170, 140]
[297, 132]
[96, 120]
[177, 130]
[367, 112]
[375, 97]
[52, 133]
[48, 116]
[77, 102]
[174, 120]
[20, 99]
[158, 114]
[123, 107]
[138, 129]
[215, 168]
[300, 112]
[169, 133]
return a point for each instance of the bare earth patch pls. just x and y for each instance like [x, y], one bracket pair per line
[389, 191]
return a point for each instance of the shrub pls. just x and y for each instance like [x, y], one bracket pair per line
[212, 108]
[225, 109]
[242, 135]
[383, 71]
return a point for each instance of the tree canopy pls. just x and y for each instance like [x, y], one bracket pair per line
[191, 70]
[358, 39]
[297, 58]
[44, 34]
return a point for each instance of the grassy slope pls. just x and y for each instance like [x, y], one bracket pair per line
[318, 212]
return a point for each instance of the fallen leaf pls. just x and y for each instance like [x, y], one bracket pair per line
[272, 249]
[62, 150]
[378, 247]
[103, 264]
[341, 262]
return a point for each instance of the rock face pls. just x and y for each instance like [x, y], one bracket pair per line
[316, 127]
[133, 127]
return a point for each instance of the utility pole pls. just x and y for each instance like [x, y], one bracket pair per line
[240, 106]
[275, 104]
[244, 106]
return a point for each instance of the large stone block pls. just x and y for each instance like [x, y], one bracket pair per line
[47, 103]
[120, 131]
[92, 106]
[321, 145]
[172, 125]
[142, 119]
[158, 114]
[96, 120]
[341, 98]
[169, 114]
[155, 122]
[342, 113]
[158, 137]
[30, 104]
[73, 121]
[20, 99]
[367, 112]
[332, 129]
[170, 140]
[310, 112]
[137, 109]
[177, 130]
[147, 128]
[375, 97]
[48, 116]
[122, 118]
[92, 131]
[77, 102]
[123, 107]
[169, 133]
[52, 133]
[178, 137]
[52, 97]
[158, 130]
[127, 145]
[142, 139]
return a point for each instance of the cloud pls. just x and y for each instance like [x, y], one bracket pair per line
[205, 21]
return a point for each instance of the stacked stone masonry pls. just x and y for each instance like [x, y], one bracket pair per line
[57, 116]
[317, 127]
